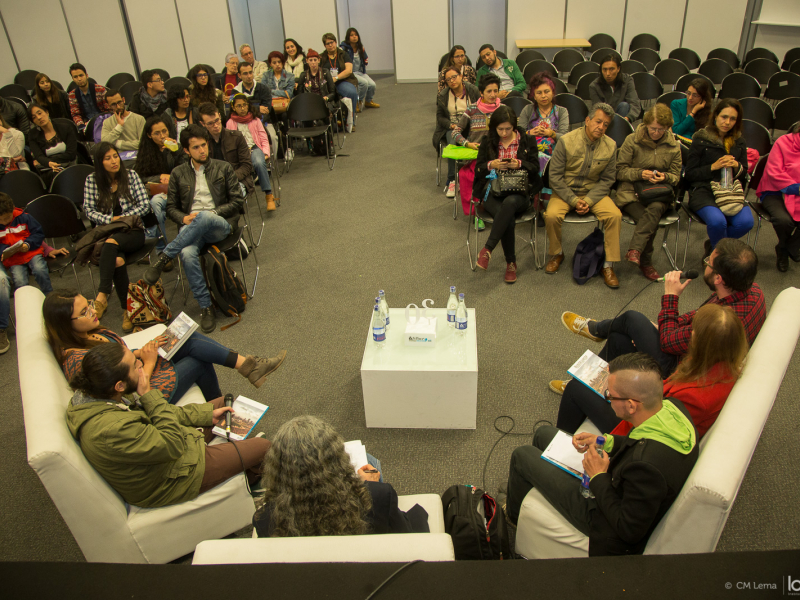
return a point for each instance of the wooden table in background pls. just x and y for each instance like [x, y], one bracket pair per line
[555, 43]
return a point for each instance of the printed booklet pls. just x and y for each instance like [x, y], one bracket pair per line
[591, 371]
[561, 453]
[177, 333]
[246, 415]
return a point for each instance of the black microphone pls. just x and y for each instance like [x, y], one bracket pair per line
[690, 274]
[228, 402]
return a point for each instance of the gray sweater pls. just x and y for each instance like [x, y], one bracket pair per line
[624, 91]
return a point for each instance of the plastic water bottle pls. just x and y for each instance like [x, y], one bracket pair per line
[378, 327]
[461, 316]
[384, 308]
[585, 491]
[452, 306]
[726, 178]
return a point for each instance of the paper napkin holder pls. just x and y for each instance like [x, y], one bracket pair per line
[420, 329]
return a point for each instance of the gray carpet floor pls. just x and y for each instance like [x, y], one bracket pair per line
[378, 221]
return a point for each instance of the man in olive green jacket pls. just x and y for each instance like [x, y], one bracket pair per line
[149, 451]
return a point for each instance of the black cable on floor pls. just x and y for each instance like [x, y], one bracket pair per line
[504, 434]
[390, 577]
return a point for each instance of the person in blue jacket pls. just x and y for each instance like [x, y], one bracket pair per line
[358, 55]
[691, 113]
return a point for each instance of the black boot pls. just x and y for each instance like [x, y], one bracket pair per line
[153, 274]
[208, 319]
[783, 259]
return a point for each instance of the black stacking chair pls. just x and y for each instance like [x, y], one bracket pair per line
[118, 80]
[619, 130]
[165, 75]
[757, 207]
[311, 107]
[687, 56]
[58, 218]
[524, 57]
[715, 69]
[539, 66]
[762, 69]
[755, 109]
[23, 186]
[644, 40]
[601, 53]
[501, 54]
[26, 78]
[760, 53]
[670, 70]
[795, 67]
[786, 113]
[516, 103]
[575, 106]
[476, 209]
[180, 81]
[682, 85]
[729, 56]
[20, 101]
[669, 97]
[582, 69]
[648, 87]
[14, 90]
[602, 40]
[128, 90]
[582, 89]
[567, 58]
[647, 56]
[632, 66]
[783, 85]
[70, 183]
[561, 87]
[790, 56]
[235, 240]
[756, 136]
[740, 85]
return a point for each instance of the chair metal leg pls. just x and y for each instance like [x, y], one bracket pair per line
[686, 246]
[327, 152]
[253, 242]
[535, 241]
[472, 222]
[758, 230]
[91, 278]
[665, 248]
[244, 274]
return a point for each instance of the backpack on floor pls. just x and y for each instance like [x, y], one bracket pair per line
[475, 523]
[227, 292]
[590, 255]
[146, 304]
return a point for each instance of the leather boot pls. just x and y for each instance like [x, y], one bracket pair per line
[270, 201]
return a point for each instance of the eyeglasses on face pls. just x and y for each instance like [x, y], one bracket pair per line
[86, 312]
[216, 121]
[707, 262]
[609, 397]
[159, 80]
[656, 129]
[202, 75]
[452, 78]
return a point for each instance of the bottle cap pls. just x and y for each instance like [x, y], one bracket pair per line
[376, 308]
[380, 292]
[601, 440]
[377, 300]
[452, 289]
[461, 296]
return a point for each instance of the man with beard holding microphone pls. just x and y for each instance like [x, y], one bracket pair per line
[729, 272]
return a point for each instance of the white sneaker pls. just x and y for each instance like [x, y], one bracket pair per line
[289, 154]
[450, 191]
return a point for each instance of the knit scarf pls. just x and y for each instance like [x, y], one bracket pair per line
[245, 119]
[488, 108]
[153, 102]
[294, 63]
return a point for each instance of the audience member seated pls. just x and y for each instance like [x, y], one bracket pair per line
[110, 194]
[719, 146]
[341, 69]
[152, 98]
[616, 88]
[72, 329]
[702, 381]
[311, 488]
[279, 82]
[244, 120]
[123, 128]
[635, 478]
[507, 146]
[48, 95]
[19, 263]
[691, 113]
[54, 146]
[543, 119]
[729, 273]
[154, 162]
[205, 201]
[12, 148]
[582, 171]
[358, 56]
[457, 57]
[14, 115]
[451, 103]
[230, 146]
[294, 58]
[316, 80]
[230, 77]
[152, 453]
[511, 79]
[203, 89]
[87, 99]
[779, 193]
[650, 155]
[259, 66]
[260, 97]
[181, 110]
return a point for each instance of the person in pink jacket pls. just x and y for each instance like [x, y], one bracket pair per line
[244, 119]
[780, 197]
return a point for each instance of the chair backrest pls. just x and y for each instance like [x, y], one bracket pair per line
[307, 107]
[632, 66]
[68, 122]
[582, 89]
[164, 74]
[516, 103]
[57, 215]
[599, 54]
[783, 85]
[180, 81]
[23, 186]
[729, 56]
[539, 66]
[526, 56]
[687, 56]
[26, 78]
[118, 80]
[602, 40]
[756, 136]
[23, 103]
[740, 85]
[561, 87]
[762, 69]
[14, 90]
[567, 58]
[648, 87]
[758, 173]
[715, 69]
[128, 90]
[546, 175]
[582, 69]
[697, 517]
[682, 85]
[669, 97]
[72, 85]
[501, 54]
[71, 182]
[786, 113]
[619, 130]
[575, 106]
[760, 53]
[756, 109]
[647, 56]
[790, 56]
[670, 70]
[644, 40]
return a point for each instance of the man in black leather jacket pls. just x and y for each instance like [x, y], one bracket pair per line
[205, 200]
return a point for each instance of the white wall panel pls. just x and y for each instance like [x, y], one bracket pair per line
[8, 68]
[157, 40]
[584, 19]
[537, 19]
[727, 17]
[777, 39]
[373, 20]
[207, 32]
[420, 42]
[662, 18]
[268, 31]
[306, 21]
[103, 50]
[342, 18]
[473, 31]
[40, 43]
[780, 11]
[240, 19]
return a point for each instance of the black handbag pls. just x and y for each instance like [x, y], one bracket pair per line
[647, 192]
[511, 181]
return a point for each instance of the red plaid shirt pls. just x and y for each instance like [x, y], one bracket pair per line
[510, 152]
[675, 330]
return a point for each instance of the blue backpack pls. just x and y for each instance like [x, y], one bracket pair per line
[590, 255]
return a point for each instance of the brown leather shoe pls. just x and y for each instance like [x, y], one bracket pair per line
[650, 272]
[483, 259]
[634, 256]
[511, 272]
[609, 278]
[554, 263]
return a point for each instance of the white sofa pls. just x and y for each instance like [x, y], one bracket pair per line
[436, 546]
[695, 521]
[106, 528]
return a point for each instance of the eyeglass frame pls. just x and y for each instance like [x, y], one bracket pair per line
[609, 398]
[85, 312]
[652, 130]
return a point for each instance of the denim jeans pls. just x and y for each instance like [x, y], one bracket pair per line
[348, 90]
[719, 225]
[158, 204]
[194, 363]
[366, 87]
[205, 229]
[375, 463]
[19, 276]
[260, 167]
[623, 108]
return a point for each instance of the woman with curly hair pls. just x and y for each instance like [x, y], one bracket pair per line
[312, 489]
[203, 89]
[180, 109]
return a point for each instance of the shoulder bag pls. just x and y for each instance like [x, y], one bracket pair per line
[647, 192]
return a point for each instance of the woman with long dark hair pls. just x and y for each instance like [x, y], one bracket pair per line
[542, 118]
[181, 109]
[311, 488]
[457, 57]
[54, 145]
[203, 89]
[111, 193]
[48, 95]
[352, 45]
[691, 113]
[294, 58]
[507, 146]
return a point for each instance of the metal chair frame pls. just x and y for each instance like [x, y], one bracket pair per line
[668, 219]
[475, 209]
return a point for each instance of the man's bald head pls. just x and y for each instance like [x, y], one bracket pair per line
[638, 376]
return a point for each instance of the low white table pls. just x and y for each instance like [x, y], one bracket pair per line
[433, 388]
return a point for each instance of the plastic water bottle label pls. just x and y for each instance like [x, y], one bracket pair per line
[461, 323]
[379, 334]
[387, 319]
[451, 315]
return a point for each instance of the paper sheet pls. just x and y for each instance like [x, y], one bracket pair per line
[562, 453]
[357, 452]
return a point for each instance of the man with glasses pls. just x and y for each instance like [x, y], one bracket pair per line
[123, 128]
[260, 96]
[633, 479]
[259, 66]
[151, 99]
[729, 272]
[228, 145]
